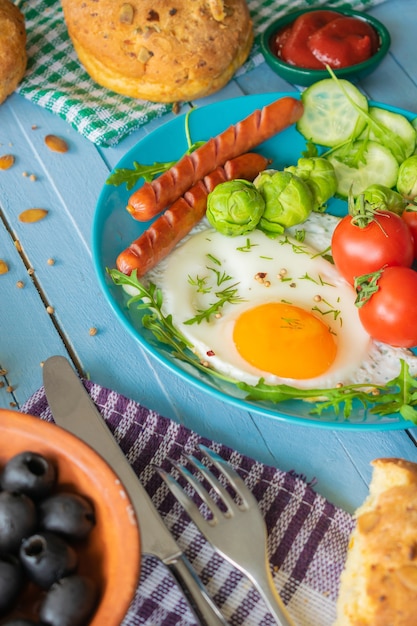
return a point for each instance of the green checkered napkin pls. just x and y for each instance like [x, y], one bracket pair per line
[56, 81]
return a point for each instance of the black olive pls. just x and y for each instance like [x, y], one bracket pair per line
[17, 520]
[11, 581]
[46, 558]
[30, 473]
[69, 514]
[36, 528]
[69, 602]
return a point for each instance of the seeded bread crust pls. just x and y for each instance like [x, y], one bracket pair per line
[159, 50]
[379, 583]
[13, 57]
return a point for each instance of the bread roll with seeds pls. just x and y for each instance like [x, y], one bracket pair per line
[13, 58]
[159, 50]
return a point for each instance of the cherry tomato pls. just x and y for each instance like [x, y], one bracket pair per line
[410, 218]
[386, 240]
[390, 313]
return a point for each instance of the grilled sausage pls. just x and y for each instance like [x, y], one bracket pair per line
[177, 221]
[154, 196]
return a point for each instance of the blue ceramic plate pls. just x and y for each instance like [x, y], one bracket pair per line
[114, 229]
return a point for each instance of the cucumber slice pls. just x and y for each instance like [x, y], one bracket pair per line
[329, 117]
[402, 141]
[379, 166]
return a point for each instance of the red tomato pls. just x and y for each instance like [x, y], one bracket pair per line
[386, 240]
[390, 314]
[410, 218]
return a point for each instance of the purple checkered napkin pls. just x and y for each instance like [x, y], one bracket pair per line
[307, 535]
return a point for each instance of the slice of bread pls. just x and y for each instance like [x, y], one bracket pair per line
[378, 586]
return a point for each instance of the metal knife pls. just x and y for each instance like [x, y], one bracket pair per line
[73, 410]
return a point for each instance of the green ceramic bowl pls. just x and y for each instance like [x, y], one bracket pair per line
[305, 77]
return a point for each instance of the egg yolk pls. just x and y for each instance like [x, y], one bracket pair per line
[284, 340]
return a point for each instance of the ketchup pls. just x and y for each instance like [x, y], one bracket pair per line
[319, 38]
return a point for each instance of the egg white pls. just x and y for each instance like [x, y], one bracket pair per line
[188, 277]
[189, 282]
[359, 359]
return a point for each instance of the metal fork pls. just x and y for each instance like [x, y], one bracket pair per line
[238, 533]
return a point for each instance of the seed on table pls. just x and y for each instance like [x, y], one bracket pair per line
[50, 310]
[4, 268]
[33, 177]
[51, 261]
[6, 161]
[31, 271]
[93, 331]
[20, 284]
[56, 144]
[30, 216]
[3, 372]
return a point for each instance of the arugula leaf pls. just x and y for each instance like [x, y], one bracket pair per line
[148, 172]
[131, 176]
[353, 153]
[157, 323]
[340, 399]
[354, 157]
[399, 395]
[310, 151]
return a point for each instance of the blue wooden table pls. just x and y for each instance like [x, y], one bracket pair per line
[51, 266]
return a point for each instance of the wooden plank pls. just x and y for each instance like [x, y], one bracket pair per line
[27, 335]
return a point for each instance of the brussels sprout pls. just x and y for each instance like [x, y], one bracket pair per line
[385, 199]
[319, 175]
[288, 200]
[407, 178]
[234, 207]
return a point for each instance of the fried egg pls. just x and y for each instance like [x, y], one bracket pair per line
[272, 308]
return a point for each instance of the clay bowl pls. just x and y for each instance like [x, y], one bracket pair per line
[111, 553]
[305, 77]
